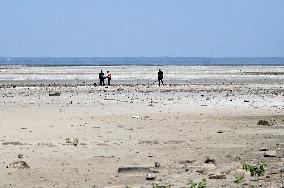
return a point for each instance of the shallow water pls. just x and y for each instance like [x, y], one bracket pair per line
[133, 74]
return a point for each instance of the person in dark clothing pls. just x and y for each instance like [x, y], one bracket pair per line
[108, 78]
[102, 78]
[160, 77]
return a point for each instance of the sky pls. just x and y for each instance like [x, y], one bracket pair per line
[131, 28]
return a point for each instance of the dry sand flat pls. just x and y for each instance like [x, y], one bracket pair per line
[89, 136]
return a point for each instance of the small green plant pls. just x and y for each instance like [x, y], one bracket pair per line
[201, 184]
[239, 179]
[161, 186]
[255, 170]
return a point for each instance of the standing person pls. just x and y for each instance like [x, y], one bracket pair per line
[108, 78]
[160, 77]
[102, 78]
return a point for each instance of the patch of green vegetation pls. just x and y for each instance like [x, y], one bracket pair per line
[255, 170]
[239, 179]
[201, 184]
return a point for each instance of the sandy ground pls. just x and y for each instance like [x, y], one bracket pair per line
[135, 126]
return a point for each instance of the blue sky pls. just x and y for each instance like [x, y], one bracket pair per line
[105, 28]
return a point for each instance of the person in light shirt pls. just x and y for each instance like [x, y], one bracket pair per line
[108, 77]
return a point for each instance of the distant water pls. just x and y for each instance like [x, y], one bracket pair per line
[140, 61]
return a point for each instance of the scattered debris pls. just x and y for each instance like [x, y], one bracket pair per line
[134, 169]
[263, 149]
[76, 141]
[217, 176]
[157, 164]
[263, 122]
[280, 144]
[19, 165]
[210, 161]
[20, 156]
[69, 142]
[136, 117]
[12, 143]
[186, 162]
[149, 142]
[54, 94]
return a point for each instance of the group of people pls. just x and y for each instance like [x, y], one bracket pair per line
[102, 77]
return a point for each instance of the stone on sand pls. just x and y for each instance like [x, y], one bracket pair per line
[270, 153]
[150, 176]
[133, 169]
[19, 165]
[157, 164]
[12, 143]
[217, 176]
[20, 156]
[263, 122]
[135, 117]
[264, 149]
[210, 161]
[54, 94]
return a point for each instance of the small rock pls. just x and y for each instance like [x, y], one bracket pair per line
[20, 156]
[19, 165]
[12, 143]
[270, 153]
[220, 131]
[263, 122]
[157, 165]
[54, 94]
[184, 162]
[217, 176]
[201, 171]
[210, 161]
[134, 169]
[136, 117]
[280, 144]
[263, 149]
[150, 176]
